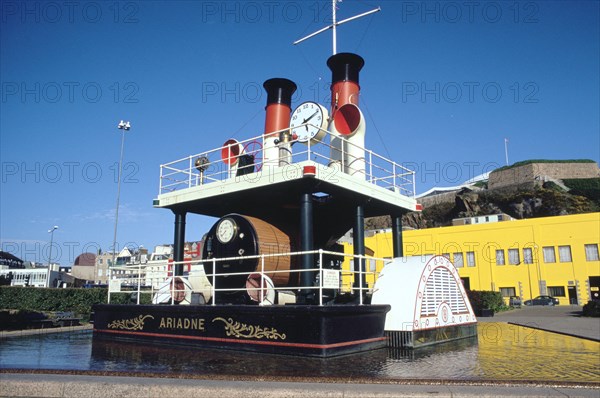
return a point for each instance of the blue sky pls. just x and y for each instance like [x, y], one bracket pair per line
[444, 84]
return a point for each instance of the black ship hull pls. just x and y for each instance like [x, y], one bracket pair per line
[317, 331]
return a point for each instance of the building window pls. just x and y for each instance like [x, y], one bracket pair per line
[549, 255]
[470, 259]
[591, 252]
[527, 255]
[499, 257]
[556, 291]
[508, 291]
[100, 261]
[99, 272]
[513, 257]
[372, 265]
[458, 260]
[447, 255]
[564, 254]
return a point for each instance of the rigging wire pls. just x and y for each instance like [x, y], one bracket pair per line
[387, 152]
[329, 17]
[364, 33]
[260, 110]
[309, 64]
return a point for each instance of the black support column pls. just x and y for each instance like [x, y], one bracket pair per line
[358, 239]
[397, 244]
[179, 241]
[306, 244]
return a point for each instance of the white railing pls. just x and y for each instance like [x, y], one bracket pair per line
[378, 170]
[143, 279]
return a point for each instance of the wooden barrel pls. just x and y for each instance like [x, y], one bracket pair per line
[236, 235]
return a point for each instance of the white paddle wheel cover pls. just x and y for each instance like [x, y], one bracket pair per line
[425, 292]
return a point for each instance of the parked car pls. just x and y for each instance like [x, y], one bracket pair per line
[515, 302]
[542, 300]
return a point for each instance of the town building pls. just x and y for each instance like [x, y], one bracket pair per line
[83, 267]
[482, 219]
[8, 260]
[53, 276]
[555, 256]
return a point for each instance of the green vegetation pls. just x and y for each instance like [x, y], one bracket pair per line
[551, 185]
[524, 162]
[78, 301]
[587, 187]
[485, 299]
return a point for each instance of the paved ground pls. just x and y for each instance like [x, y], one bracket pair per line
[561, 319]
[27, 385]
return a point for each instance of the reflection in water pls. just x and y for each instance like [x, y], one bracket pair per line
[48, 351]
[501, 352]
[518, 353]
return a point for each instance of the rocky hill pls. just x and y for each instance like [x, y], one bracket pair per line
[551, 199]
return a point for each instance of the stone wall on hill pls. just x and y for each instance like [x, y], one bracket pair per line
[535, 174]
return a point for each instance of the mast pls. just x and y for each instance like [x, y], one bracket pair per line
[335, 24]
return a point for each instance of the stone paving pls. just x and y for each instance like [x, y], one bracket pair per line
[565, 320]
[77, 386]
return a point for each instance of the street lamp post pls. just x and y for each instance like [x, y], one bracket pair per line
[51, 232]
[123, 126]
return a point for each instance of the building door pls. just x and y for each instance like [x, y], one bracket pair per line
[594, 287]
[466, 283]
[572, 295]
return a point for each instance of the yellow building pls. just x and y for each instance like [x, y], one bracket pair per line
[555, 256]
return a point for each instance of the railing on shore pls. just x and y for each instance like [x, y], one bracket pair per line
[216, 165]
[144, 279]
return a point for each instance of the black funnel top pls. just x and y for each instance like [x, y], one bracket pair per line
[345, 67]
[279, 91]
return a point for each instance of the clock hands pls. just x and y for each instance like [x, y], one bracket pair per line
[311, 116]
[307, 119]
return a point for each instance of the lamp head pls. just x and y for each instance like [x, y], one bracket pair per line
[123, 125]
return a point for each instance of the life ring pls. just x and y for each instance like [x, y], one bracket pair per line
[176, 291]
[264, 295]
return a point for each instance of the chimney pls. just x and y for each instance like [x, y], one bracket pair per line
[348, 126]
[279, 103]
[345, 89]
[278, 111]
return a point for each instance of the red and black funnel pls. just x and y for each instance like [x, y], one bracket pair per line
[345, 68]
[279, 103]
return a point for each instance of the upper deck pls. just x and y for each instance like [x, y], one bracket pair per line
[238, 178]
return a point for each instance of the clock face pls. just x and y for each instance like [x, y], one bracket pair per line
[308, 120]
[226, 230]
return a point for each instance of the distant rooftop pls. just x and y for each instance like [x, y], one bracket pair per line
[439, 190]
